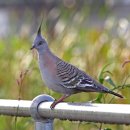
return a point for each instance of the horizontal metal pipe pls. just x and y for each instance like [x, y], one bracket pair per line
[105, 113]
[15, 107]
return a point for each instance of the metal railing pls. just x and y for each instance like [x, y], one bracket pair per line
[43, 116]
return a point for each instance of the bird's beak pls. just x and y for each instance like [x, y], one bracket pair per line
[32, 47]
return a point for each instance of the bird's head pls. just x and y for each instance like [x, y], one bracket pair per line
[39, 43]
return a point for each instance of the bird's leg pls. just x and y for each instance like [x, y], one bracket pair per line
[58, 101]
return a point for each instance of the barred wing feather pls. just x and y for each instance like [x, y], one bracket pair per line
[72, 77]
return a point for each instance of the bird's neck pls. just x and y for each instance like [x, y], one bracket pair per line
[44, 51]
[47, 57]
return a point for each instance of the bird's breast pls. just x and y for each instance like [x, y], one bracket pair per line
[48, 70]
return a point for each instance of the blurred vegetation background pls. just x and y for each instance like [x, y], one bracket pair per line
[89, 34]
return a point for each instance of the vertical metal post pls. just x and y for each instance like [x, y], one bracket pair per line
[41, 123]
[44, 125]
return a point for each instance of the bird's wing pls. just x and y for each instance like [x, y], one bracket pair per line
[72, 77]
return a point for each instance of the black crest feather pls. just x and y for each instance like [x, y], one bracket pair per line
[39, 29]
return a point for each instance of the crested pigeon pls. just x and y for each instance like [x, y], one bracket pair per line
[61, 76]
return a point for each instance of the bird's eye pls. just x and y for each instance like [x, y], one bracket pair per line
[40, 43]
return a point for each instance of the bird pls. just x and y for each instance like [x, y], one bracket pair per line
[61, 76]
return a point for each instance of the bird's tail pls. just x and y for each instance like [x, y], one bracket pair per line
[106, 90]
[116, 94]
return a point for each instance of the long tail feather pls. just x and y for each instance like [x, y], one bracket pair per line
[116, 94]
[106, 90]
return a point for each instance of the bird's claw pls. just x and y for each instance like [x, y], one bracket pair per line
[53, 105]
